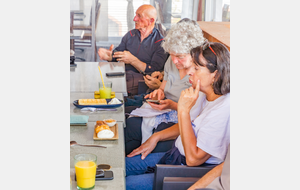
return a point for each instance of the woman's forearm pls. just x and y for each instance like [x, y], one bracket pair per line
[208, 177]
[170, 133]
[193, 154]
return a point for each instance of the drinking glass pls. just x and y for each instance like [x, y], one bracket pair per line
[85, 169]
[105, 93]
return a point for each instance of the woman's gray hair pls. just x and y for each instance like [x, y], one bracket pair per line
[182, 37]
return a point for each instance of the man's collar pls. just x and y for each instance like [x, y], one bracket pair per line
[139, 33]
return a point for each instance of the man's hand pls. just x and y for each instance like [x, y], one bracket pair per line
[146, 148]
[158, 75]
[125, 57]
[105, 54]
[152, 82]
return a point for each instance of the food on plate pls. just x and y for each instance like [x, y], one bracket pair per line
[100, 122]
[115, 101]
[110, 122]
[112, 94]
[92, 102]
[96, 95]
[101, 127]
[103, 131]
[106, 133]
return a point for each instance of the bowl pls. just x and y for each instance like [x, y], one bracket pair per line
[110, 122]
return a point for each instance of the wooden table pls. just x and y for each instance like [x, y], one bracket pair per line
[216, 32]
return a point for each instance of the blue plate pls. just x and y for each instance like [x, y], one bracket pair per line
[98, 106]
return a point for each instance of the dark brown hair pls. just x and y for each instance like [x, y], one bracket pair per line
[219, 62]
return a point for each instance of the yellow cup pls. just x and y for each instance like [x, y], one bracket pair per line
[96, 95]
[112, 95]
[85, 169]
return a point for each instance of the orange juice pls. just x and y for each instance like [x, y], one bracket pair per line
[85, 174]
[105, 93]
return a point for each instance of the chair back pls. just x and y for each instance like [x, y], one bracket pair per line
[164, 170]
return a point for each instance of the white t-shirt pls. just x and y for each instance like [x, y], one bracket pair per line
[211, 128]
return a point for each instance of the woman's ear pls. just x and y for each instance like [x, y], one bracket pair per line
[214, 75]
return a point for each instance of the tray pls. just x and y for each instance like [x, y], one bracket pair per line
[113, 128]
[75, 103]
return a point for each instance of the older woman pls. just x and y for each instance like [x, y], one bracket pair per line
[181, 38]
[202, 140]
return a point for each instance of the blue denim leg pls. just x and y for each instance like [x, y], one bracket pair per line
[140, 182]
[136, 166]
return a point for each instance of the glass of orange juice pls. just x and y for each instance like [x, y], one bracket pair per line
[105, 93]
[85, 170]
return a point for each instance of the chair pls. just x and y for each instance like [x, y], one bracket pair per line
[87, 40]
[166, 177]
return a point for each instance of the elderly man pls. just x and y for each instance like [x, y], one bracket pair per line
[139, 49]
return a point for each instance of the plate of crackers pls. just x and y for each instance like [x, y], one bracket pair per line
[98, 103]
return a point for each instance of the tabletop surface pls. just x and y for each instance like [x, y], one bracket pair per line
[115, 148]
[86, 76]
[114, 154]
[117, 183]
[83, 82]
[118, 115]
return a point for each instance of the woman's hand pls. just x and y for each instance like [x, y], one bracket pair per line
[188, 98]
[159, 94]
[164, 104]
[146, 148]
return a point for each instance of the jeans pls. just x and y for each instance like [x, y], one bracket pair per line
[133, 135]
[135, 171]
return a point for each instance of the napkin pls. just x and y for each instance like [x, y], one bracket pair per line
[78, 119]
[147, 111]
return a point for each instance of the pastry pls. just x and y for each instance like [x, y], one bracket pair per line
[103, 131]
[92, 102]
[101, 127]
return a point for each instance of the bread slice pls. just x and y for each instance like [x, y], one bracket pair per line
[92, 102]
[101, 127]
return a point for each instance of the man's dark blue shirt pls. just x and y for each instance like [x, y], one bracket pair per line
[148, 51]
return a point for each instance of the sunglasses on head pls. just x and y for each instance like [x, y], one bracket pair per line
[207, 44]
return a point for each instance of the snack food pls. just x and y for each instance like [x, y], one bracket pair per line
[101, 127]
[92, 102]
[110, 122]
[103, 131]
[114, 101]
[96, 95]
